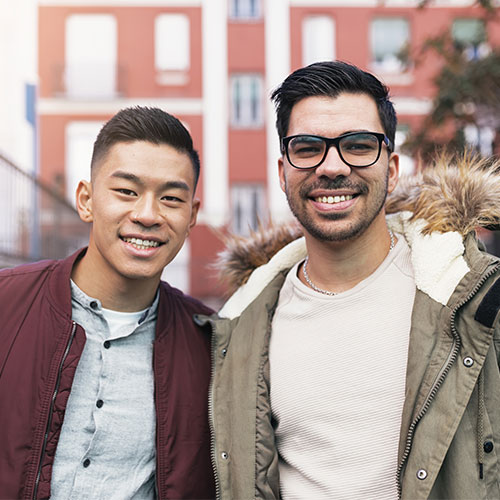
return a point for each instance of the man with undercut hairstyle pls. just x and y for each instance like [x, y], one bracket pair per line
[360, 361]
[103, 373]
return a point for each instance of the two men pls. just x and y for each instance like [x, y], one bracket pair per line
[103, 373]
[362, 360]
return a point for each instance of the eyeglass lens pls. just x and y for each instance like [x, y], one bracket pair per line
[358, 150]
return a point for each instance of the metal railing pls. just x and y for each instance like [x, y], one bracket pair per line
[37, 223]
[88, 82]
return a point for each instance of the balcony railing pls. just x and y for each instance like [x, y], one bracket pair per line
[37, 223]
[88, 81]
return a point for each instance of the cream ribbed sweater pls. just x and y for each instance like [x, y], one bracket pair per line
[338, 369]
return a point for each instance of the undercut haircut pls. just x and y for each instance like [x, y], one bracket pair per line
[142, 123]
[330, 79]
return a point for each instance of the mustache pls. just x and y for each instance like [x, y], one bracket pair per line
[332, 184]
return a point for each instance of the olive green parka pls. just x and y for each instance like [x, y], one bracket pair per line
[450, 432]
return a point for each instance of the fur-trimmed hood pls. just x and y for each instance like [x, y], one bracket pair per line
[434, 210]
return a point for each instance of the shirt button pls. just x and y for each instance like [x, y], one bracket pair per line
[488, 446]
[107, 344]
[86, 462]
[421, 474]
[99, 403]
[94, 305]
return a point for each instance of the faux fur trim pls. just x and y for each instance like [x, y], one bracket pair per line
[262, 276]
[437, 259]
[452, 197]
[242, 255]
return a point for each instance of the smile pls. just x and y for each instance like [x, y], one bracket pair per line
[333, 199]
[142, 244]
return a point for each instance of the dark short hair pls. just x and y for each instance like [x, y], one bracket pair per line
[142, 123]
[331, 78]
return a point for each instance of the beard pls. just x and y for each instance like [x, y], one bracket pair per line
[323, 226]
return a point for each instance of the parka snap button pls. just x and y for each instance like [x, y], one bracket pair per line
[86, 462]
[421, 474]
[224, 455]
[468, 361]
[488, 447]
[107, 344]
[224, 352]
[94, 305]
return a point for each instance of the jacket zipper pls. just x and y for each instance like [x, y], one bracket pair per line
[51, 407]
[452, 356]
[211, 414]
[157, 438]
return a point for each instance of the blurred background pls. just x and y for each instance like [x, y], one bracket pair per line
[67, 66]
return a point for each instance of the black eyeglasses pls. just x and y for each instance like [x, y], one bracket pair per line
[356, 149]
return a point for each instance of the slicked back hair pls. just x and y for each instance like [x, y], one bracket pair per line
[330, 79]
[140, 123]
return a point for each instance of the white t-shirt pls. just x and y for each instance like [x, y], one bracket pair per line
[338, 368]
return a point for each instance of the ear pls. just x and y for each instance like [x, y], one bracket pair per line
[84, 201]
[281, 173]
[393, 172]
[195, 207]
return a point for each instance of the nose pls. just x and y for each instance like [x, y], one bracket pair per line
[147, 211]
[333, 165]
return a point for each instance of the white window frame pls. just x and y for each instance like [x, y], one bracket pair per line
[172, 42]
[406, 163]
[79, 138]
[249, 199]
[472, 49]
[243, 84]
[91, 62]
[391, 63]
[318, 39]
[241, 10]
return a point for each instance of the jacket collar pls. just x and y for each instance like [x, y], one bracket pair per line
[59, 282]
[439, 263]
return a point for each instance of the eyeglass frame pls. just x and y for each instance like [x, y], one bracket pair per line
[335, 141]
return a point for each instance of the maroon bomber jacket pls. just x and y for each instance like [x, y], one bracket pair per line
[40, 347]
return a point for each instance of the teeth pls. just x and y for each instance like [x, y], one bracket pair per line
[141, 244]
[333, 199]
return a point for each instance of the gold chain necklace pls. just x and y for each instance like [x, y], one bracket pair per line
[326, 292]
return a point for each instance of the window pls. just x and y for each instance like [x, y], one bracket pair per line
[406, 163]
[91, 53]
[80, 137]
[469, 36]
[247, 202]
[480, 138]
[318, 39]
[172, 42]
[390, 40]
[245, 9]
[246, 101]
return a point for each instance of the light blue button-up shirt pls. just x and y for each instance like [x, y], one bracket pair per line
[106, 448]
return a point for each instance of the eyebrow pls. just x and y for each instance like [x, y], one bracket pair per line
[137, 180]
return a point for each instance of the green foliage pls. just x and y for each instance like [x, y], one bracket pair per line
[467, 92]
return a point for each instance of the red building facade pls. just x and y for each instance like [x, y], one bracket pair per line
[213, 64]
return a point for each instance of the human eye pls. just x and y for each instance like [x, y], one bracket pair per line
[170, 197]
[359, 143]
[125, 191]
[306, 146]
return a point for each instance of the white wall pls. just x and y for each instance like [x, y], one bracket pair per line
[18, 34]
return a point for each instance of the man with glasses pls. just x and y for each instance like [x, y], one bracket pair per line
[348, 366]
